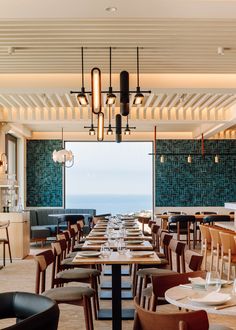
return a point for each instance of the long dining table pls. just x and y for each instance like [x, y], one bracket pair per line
[116, 260]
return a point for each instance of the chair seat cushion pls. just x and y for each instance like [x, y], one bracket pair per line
[154, 271]
[65, 294]
[40, 232]
[78, 273]
[218, 327]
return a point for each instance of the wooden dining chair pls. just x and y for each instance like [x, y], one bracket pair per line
[148, 320]
[73, 295]
[215, 247]
[205, 242]
[77, 274]
[5, 241]
[160, 284]
[228, 252]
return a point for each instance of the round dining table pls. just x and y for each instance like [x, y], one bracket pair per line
[179, 296]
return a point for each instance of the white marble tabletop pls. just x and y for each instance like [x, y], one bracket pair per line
[179, 296]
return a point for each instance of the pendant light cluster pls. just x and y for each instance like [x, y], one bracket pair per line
[96, 101]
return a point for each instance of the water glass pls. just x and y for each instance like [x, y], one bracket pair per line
[105, 250]
[213, 282]
[234, 289]
[121, 246]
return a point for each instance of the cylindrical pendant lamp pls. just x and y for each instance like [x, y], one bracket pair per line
[118, 128]
[96, 90]
[100, 133]
[124, 93]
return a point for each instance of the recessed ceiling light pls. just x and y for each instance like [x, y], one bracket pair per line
[111, 9]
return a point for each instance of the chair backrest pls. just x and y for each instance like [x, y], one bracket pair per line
[206, 236]
[211, 219]
[177, 248]
[193, 260]
[65, 235]
[227, 243]
[215, 237]
[181, 218]
[165, 239]
[33, 311]
[147, 320]
[4, 224]
[205, 212]
[162, 283]
[43, 260]
[155, 236]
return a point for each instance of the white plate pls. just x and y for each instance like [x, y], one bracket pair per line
[133, 242]
[88, 254]
[101, 233]
[95, 242]
[140, 254]
[212, 299]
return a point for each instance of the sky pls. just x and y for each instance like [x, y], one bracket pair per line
[110, 168]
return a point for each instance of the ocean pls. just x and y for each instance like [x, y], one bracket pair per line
[110, 203]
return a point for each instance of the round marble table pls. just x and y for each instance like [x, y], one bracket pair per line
[178, 296]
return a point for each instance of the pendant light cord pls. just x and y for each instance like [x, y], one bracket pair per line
[82, 61]
[109, 115]
[110, 67]
[137, 67]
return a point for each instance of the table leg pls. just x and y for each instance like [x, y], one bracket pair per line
[116, 297]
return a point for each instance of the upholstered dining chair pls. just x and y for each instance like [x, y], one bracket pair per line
[211, 219]
[215, 247]
[32, 311]
[183, 225]
[72, 295]
[148, 320]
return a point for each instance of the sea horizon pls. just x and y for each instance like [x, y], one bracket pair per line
[110, 203]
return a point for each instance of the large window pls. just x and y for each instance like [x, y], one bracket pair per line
[110, 177]
[11, 152]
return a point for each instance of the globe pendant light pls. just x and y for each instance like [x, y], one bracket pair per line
[82, 98]
[138, 99]
[63, 156]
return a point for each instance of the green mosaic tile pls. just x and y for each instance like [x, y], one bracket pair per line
[44, 177]
[201, 183]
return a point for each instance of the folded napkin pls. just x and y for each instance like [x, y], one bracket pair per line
[213, 298]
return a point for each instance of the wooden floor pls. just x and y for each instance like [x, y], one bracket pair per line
[20, 276]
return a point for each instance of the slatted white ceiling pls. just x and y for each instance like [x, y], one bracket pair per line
[169, 46]
[189, 106]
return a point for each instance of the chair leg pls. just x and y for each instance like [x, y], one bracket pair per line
[229, 269]
[9, 248]
[221, 268]
[88, 313]
[4, 254]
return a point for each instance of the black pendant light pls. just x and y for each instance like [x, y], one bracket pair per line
[109, 131]
[118, 128]
[127, 130]
[92, 130]
[96, 90]
[82, 98]
[138, 99]
[124, 93]
[111, 98]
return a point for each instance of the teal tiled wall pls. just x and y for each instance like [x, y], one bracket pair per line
[44, 177]
[201, 183]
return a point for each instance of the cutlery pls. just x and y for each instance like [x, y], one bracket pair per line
[225, 306]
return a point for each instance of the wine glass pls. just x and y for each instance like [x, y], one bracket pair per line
[213, 282]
